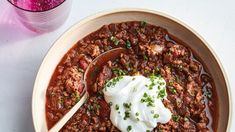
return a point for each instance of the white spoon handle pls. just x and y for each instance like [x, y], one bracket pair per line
[68, 115]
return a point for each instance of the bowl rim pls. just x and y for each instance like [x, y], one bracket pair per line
[119, 10]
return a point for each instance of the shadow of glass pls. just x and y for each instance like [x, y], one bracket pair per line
[11, 29]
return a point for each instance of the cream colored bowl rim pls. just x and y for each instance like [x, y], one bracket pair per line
[119, 10]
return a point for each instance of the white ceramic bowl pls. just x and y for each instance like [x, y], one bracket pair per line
[90, 24]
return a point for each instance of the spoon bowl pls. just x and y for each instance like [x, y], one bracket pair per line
[89, 78]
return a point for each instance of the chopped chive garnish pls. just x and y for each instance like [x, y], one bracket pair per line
[157, 69]
[137, 113]
[145, 57]
[145, 95]
[97, 106]
[113, 82]
[178, 80]
[110, 103]
[119, 72]
[175, 118]
[172, 90]
[128, 44]
[78, 98]
[129, 128]
[80, 70]
[148, 100]
[158, 87]
[114, 40]
[117, 107]
[161, 94]
[155, 115]
[127, 115]
[61, 100]
[143, 23]
[185, 119]
[127, 105]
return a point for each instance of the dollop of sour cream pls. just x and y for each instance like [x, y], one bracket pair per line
[136, 102]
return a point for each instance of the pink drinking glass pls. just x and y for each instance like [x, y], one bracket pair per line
[42, 15]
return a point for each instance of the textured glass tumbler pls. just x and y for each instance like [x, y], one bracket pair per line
[41, 17]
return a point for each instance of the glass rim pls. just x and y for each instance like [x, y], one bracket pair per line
[35, 11]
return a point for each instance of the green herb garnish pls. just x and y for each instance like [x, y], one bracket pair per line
[148, 100]
[113, 82]
[127, 115]
[61, 100]
[129, 128]
[137, 114]
[117, 107]
[152, 78]
[145, 95]
[110, 103]
[172, 90]
[97, 106]
[161, 94]
[80, 70]
[175, 118]
[128, 44]
[90, 108]
[136, 30]
[143, 23]
[78, 98]
[145, 57]
[171, 83]
[114, 40]
[178, 80]
[155, 115]
[127, 105]
[119, 72]
[186, 119]
[100, 93]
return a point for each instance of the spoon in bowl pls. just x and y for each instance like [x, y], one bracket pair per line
[90, 75]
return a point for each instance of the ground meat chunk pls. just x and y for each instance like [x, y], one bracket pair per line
[93, 50]
[104, 32]
[178, 50]
[156, 49]
[104, 75]
[69, 57]
[72, 79]
[83, 64]
[114, 28]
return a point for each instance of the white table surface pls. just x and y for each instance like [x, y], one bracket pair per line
[21, 51]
